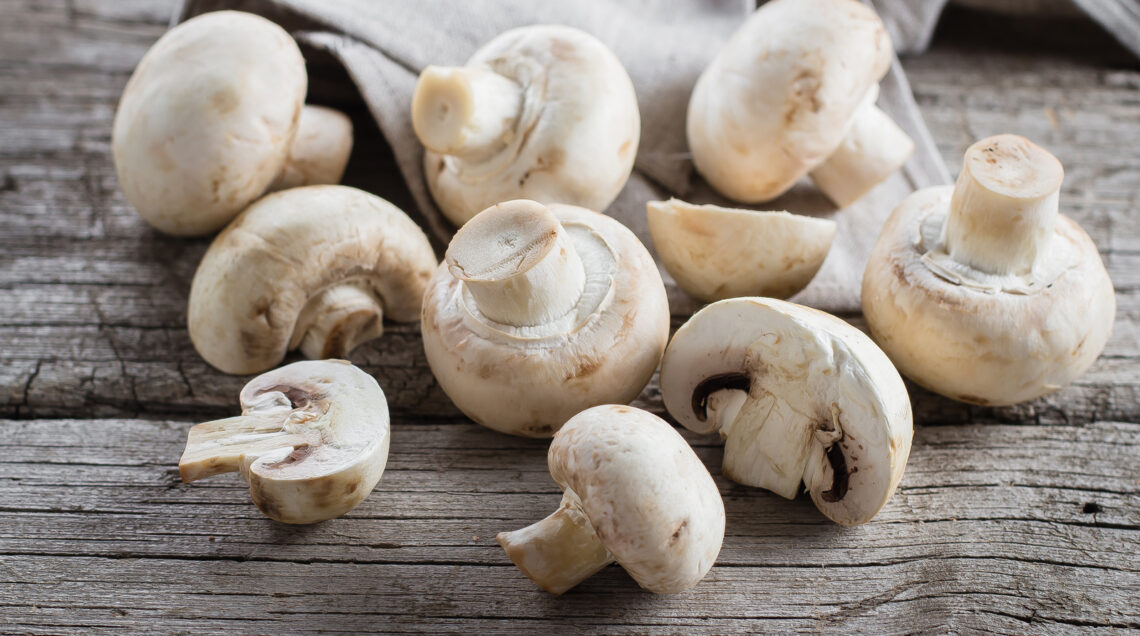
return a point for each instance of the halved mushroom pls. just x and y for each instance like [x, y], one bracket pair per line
[316, 267]
[541, 311]
[312, 441]
[207, 120]
[633, 492]
[716, 253]
[798, 396]
[794, 91]
[320, 150]
[982, 291]
[541, 112]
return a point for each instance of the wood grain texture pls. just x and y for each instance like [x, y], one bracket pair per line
[1007, 520]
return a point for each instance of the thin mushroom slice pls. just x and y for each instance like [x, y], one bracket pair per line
[799, 396]
[312, 441]
[716, 253]
[320, 150]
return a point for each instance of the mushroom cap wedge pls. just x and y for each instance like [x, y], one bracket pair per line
[316, 267]
[312, 441]
[715, 253]
[635, 493]
[207, 119]
[320, 150]
[799, 396]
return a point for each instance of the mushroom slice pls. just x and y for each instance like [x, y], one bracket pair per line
[312, 441]
[541, 112]
[798, 396]
[316, 267]
[716, 253]
[792, 92]
[539, 312]
[320, 150]
[633, 492]
[982, 291]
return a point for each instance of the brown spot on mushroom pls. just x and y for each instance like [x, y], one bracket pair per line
[225, 100]
[712, 384]
[300, 452]
[839, 474]
[973, 399]
[677, 533]
[351, 487]
[265, 502]
[625, 146]
[584, 367]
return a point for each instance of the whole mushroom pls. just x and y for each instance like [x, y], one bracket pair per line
[981, 291]
[312, 441]
[538, 312]
[633, 492]
[799, 396]
[319, 153]
[794, 92]
[541, 112]
[315, 268]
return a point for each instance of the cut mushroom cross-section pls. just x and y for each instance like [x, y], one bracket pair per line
[312, 441]
[799, 396]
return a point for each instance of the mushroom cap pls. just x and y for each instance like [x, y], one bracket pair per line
[320, 149]
[780, 96]
[821, 380]
[529, 380]
[206, 121]
[984, 345]
[577, 136]
[649, 498]
[260, 273]
[326, 432]
[716, 253]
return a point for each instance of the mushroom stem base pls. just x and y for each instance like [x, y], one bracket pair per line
[874, 148]
[337, 320]
[558, 552]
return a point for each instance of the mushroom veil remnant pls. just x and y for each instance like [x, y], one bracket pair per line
[316, 268]
[539, 312]
[799, 396]
[793, 92]
[312, 441]
[633, 492]
[541, 112]
[981, 291]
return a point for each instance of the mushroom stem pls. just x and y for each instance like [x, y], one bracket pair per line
[337, 320]
[518, 263]
[873, 149]
[1004, 206]
[465, 111]
[774, 454]
[560, 551]
[221, 446]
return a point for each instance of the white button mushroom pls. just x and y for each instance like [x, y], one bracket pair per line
[316, 267]
[716, 253]
[541, 311]
[320, 150]
[633, 492]
[541, 112]
[798, 396]
[207, 119]
[794, 91]
[982, 291]
[312, 441]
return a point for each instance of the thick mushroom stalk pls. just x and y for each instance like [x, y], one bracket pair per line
[468, 112]
[873, 149]
[338, 319]
[312, 441]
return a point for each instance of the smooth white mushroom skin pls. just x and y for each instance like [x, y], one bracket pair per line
[541, 112]
[539, 312]
[799, 396]
[715, 253]
[312, 441]
[635, 493]
[316, 267]
[793, 91]
[207, 120]
[320, 150]
[982, 291]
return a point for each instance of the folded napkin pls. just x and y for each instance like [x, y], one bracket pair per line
[664, 45]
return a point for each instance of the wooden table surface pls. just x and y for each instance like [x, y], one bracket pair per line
[1012, 520]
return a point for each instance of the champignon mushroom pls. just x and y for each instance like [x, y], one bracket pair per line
[312, 441]
[316, 267]
[981, 291]
[633, 492]
[207, 119]
[320, 150]
[541, 112]
[794, 91]
[538, 312]
[716, 253]
[798, 396]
